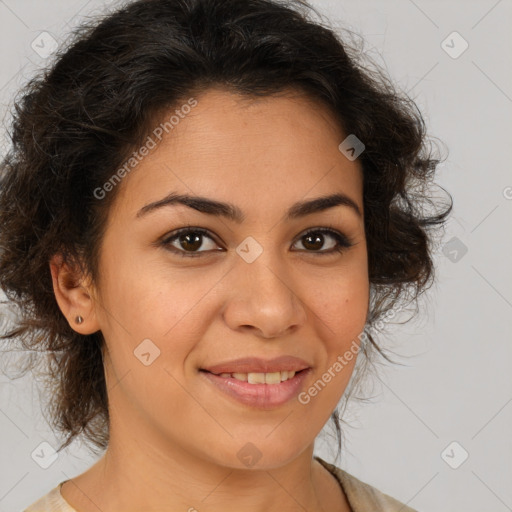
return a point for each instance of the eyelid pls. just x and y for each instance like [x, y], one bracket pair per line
[167, 238]
[344, 242]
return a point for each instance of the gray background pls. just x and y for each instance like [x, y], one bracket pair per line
[456, 384]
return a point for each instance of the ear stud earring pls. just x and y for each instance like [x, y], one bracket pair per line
[79, 319]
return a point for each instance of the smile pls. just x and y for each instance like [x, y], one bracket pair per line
[258, 390]
[260, 378]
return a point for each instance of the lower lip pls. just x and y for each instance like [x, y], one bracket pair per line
[263, 396]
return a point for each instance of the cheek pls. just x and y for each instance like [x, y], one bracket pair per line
[342, 310]
[153, 303]
[148, 296]
[342, 306]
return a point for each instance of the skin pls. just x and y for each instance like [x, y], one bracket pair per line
[174, 438]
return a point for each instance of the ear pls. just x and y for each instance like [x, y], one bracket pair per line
[75, 295]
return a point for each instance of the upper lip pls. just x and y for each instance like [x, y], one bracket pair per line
[257, 365]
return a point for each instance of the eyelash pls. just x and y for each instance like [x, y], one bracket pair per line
[343, 242]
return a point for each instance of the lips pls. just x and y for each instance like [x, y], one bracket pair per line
[257, 395]
[257, 365]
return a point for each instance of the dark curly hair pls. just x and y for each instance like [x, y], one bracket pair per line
[78, 120]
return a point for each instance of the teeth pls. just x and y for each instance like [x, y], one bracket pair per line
[272, 378]
[260, 378]
[256, 378]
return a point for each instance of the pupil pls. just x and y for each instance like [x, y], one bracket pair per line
[317, 239]
[195, 243]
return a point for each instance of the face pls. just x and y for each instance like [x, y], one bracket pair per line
[274, 280]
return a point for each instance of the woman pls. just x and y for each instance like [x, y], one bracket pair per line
[206, 207]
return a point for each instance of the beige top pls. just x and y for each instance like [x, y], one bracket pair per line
[361, 497]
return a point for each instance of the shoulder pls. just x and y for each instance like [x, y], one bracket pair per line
[361, 496]
[51, 502]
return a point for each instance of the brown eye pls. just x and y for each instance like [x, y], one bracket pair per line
[187, 241]
[190, 241]
[315, 239]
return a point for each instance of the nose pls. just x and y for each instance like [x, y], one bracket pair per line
[264, 298]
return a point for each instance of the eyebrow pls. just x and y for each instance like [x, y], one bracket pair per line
[235, 214]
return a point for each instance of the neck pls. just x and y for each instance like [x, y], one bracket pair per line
[154, 475]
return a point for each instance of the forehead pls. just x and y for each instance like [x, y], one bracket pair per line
[259, 152]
